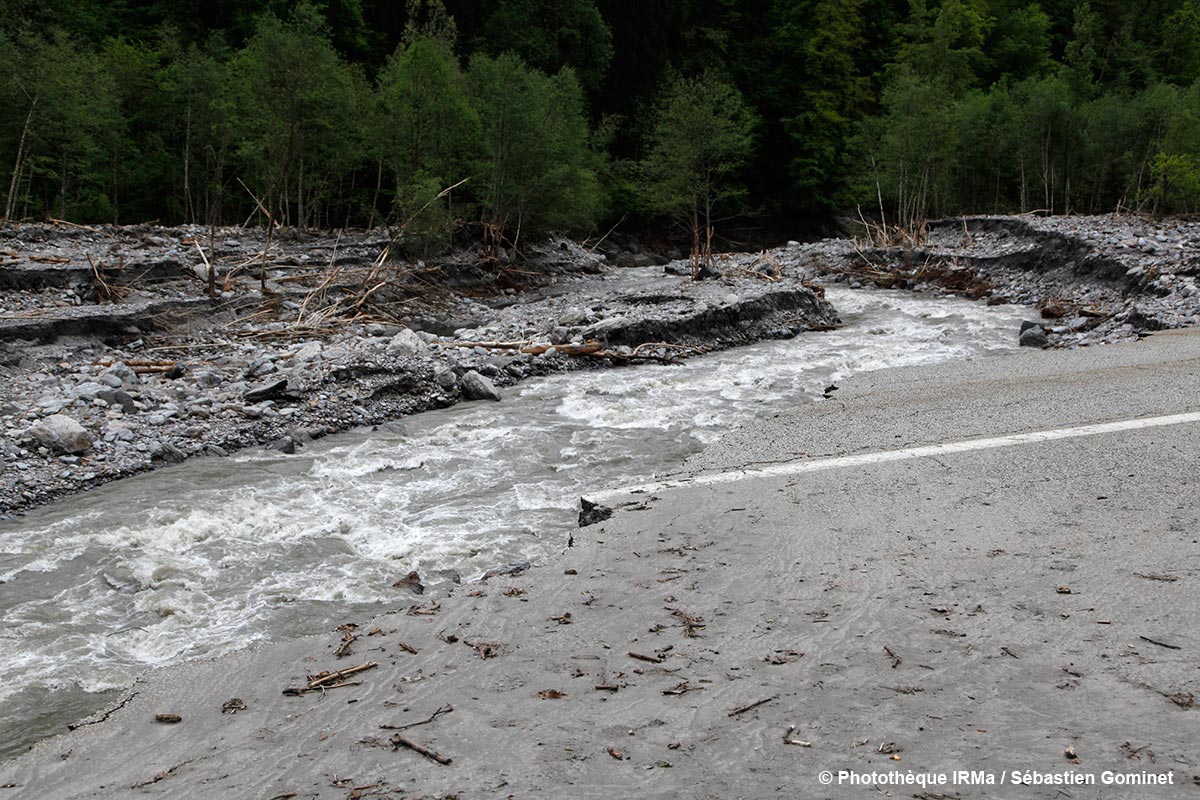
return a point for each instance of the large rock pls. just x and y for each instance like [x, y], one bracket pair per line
[122, 372]
[273, 390]
[61, 434]
[477, 387]
[445, 378]
[309, 352]
[406, 342]
[1033, 337]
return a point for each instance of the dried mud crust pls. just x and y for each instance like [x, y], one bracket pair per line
[157, 372]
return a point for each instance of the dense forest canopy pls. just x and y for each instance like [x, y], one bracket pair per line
[528, 115]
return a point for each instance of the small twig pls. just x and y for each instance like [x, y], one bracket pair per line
[787, 738]
[446, 709]
[651, 659]
[1160, 644]
[896, 660]
[399, 741]
[344, 647]
[755, 704]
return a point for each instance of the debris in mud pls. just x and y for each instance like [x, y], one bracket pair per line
[692, 624]
[344, 649]
[896, 660]
[750, 706]
[1183, 699]
[446, 709]
[551, 694]
[486, 650]
[232, 706]
[331, 680]
[399, 741]
[591, 513]
[1160, 643]
[515, 568]
[683, 687]
[779, 657]
[787, 738]
[168, 719]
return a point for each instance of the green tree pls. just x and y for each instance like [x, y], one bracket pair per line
[825, 94]
[428, 135]
[551, 34]
[537, 171]
[945, 43]
[1179, 53]
[909, 147]
[297, 133]
[199, 132]
[1020, 42]
[139, 162]
[63, 107]
[702, 138]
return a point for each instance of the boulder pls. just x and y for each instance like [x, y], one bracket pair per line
[61, 434]
[122, 372]
[267, 391]
[406, 342]
[1033, 337]
[118, 397]
[308, 352]
[445, 378]
[477, 387]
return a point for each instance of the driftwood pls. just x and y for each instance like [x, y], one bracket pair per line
[399, 741]
[756, 704]
[331, 680]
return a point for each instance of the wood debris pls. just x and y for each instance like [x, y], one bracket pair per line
[331, 680]
[787, 738]
[446, 709]
[755, 704]
[399, 741]
[896, 660]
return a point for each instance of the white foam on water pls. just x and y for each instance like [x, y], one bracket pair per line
[214, 554]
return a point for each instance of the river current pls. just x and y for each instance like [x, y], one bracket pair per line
[216, 554]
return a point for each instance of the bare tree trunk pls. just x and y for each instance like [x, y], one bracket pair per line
[300, 220]
[378, 186]
[188, 209]
[10, 205]
[695, 242]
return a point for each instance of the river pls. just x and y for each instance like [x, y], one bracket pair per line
[217, 554]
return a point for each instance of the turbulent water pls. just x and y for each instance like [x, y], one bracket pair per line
[215, 554]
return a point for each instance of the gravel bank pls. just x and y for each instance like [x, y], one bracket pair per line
[134, 367]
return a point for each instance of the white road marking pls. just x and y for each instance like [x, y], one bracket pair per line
[883, 456]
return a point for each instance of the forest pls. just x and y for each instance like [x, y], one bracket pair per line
[525, 116]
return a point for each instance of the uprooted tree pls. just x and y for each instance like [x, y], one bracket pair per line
[702, 138]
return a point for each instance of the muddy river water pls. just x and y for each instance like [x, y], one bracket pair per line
[217, 554]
